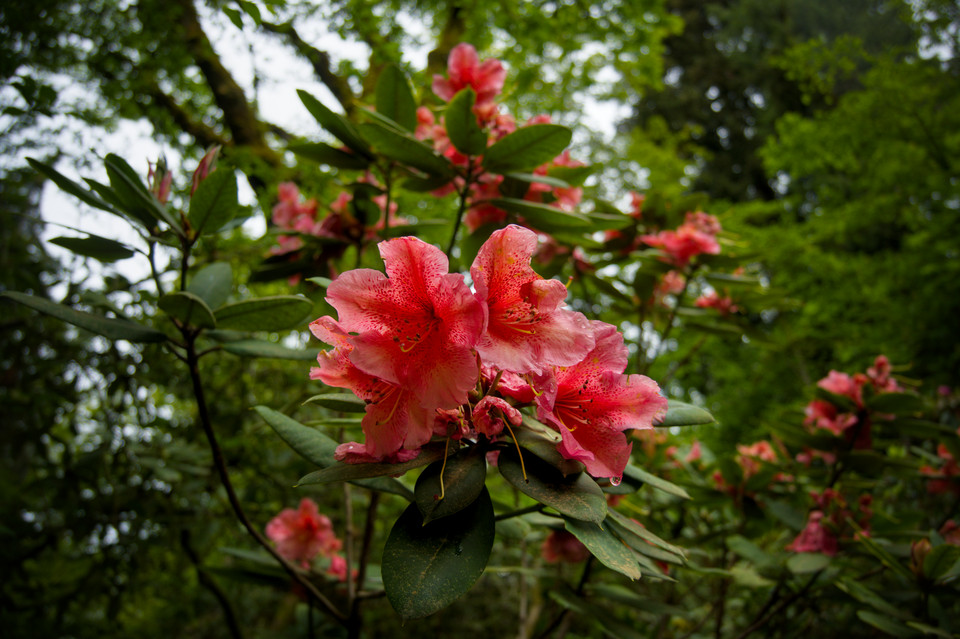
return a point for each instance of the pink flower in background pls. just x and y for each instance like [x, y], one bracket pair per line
[946, 478]
[563, 546]
[683, 244]
[528, 330]
[724, 305]
[815, 537]
[750, 457]
[592, 402]
[703, 222]
[301, 535]
[464, 69]
[842, 384]
[416, 326]
[823, 414]
[879, 374]
[695, 453]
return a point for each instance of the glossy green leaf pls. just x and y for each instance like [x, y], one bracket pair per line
[336, 124]
[885, 624]
[426, 567]
[394, 97]
[214, 203]
[265, 313]
[572, 175]
[603, 545]
[406, 149]
[188, 309]
[73, 188]
[543, 216]
[138, 201]
[343, 402]
[462, 479]
[896, 403]
[319, 449]
[645, 535]
[349, 472]
[212, 283]
[683, 414]
[806, 562]
[527, 148]
[608, 222]
[940, 560]
[656, 482]
[108, 327]
[272, 350]
[331, 156]
[461, 122]
[99, 248]
[536, 178]
[546, 448]
[576, 496]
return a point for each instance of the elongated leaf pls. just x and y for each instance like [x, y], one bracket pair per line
[73, 188]
[394, 97]
[683, 414]
[882, 554]
[319, 449]
[863, 594]
[462, 128]
[426, 567]
[272, 350]
[536, 178]
[940, 560]
[336, 124]
[462, 480]
[407, 150]
[885, 624]
[326, 154]
[99, 248]
[634, 529]
[576, 496]
[108, 327]
[188, 308]
[138, 201]
[348, 472]
[212, 283]
[896, 403]
[611, 552]
[214, 203]
[656, 482]
[543, 216]
[607, 221]
[806, 562]
[527, 148]
[343, 402]
[264, 313]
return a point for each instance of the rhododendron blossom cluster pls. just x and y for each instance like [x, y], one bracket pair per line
[431, 357]
[303, 534]
[827, 523]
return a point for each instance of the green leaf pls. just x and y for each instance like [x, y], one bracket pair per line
[272, 350]
[641, 539]
[319, 449]
[264, 313]
[806, 562]
[577, 496]
[99, 248]
[542, 216]
[348, 472]
[73, 188]
[461, 122]
[462, 477]
[214, 203]
[407, 150]
[882, 554]
[108, 327]
[747, 575]
[343, 402]
[572, 175]
[660, 484]
[394, 97]
[212, 283]
[940, 560]
[683, 414]
[896, 403]
[426, 567]
[527, 148]
[863, 594]
[785, 513]
[137, 200]
[607, 221]
[534, 178]
[885, 624]
[188, 309]
[336, 124]
[603, 545]
[326, 154]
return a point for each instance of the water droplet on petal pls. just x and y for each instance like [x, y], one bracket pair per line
[615, 481]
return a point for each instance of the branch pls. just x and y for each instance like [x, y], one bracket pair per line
[206, 580]
[319, 60]
[204, 136]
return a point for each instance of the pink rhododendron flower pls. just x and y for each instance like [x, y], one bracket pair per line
[464, 69]
[208, 163]
[750, 457]
[683, 244]
[563, 546]
[394, 418]
[724, 305]
[694, 454]
[879, 375]
[489, 415]
[636, 204]
[592, 402]
[527, 328]
[703, 222]
[842, 384]
[416, 326]
[301, 535]
[945, 479]
[815, 537]
[823, 414]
